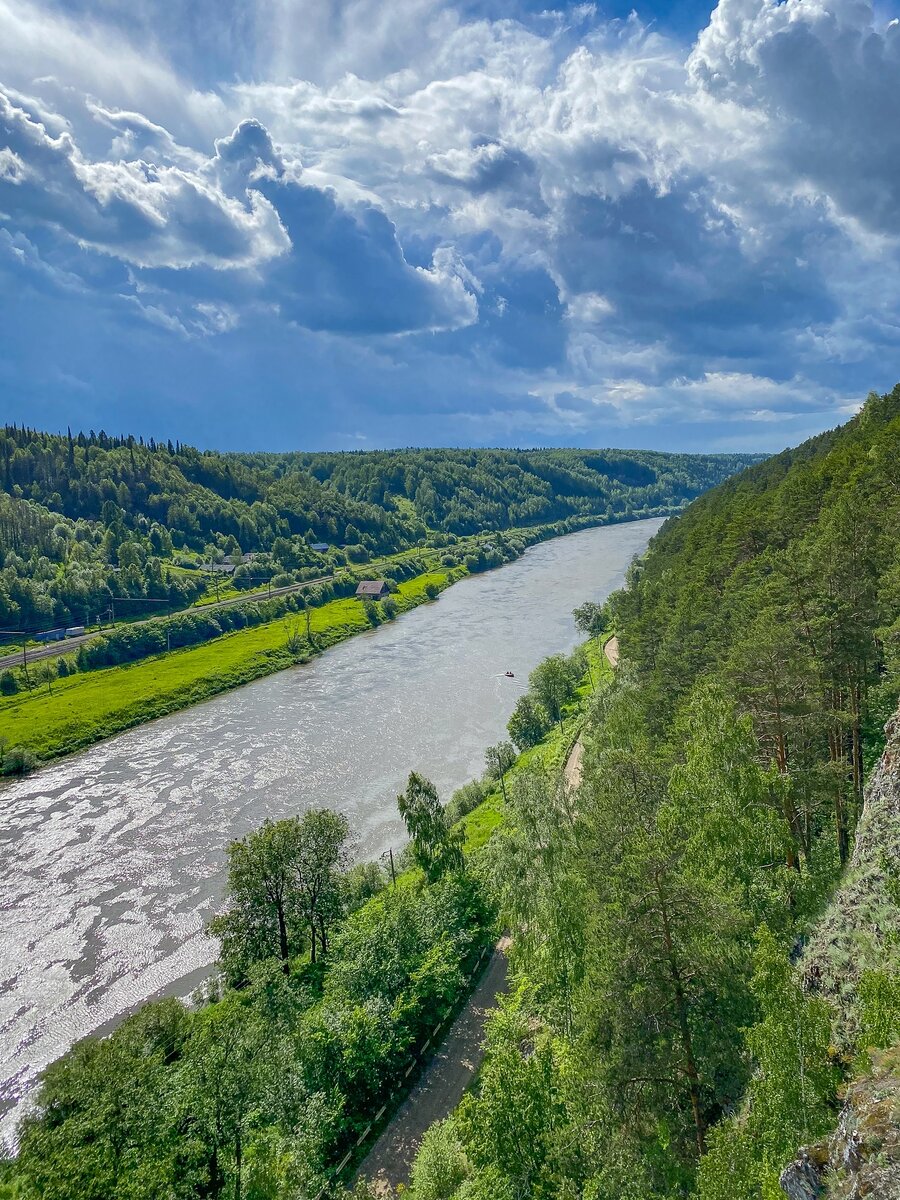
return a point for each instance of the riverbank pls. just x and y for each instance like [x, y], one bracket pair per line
[84, 708]
[449, 1061]
[115, 856]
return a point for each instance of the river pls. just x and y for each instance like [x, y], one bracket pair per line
[111, 861]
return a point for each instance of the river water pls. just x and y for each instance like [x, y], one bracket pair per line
[111, 861]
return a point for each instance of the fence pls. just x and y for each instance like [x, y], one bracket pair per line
[418, 1059]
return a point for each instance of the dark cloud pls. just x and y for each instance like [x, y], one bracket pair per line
[570, 219]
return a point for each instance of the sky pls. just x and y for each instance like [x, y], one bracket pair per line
[349, 224]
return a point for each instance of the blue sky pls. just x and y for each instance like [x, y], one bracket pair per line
[352, 224]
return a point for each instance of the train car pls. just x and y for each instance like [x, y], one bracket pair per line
[50, 635]
[75, 631]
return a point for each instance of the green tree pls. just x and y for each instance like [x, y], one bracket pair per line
[528, 723]
[498, 760]
[663, 947]
[45, 672]
[791, 1092]
[262, 897]
[554, 682]
[218, 1086]
[591, 618]
[437, 848]
[319, 858]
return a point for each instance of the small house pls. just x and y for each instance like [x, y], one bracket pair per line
[320, 547]
[372, 589]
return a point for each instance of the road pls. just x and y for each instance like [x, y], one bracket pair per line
[54, 649]
[441, 1088]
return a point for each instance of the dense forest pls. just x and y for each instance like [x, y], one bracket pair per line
[86, 520]
[658, 1042]
[464, 491]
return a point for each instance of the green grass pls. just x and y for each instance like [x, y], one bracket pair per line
[85, 708]
[551, 753]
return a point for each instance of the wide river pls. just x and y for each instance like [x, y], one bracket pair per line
[112, 861]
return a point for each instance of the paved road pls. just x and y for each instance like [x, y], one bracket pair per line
[53, 649]
[446, 1078]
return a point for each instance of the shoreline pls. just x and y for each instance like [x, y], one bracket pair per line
[52, 742]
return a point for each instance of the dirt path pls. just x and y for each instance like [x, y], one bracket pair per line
[574, 765]
[446, 1078]
[611, 650]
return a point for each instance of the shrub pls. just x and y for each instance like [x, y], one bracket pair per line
[432, 591]
[440, 1167]
[466, 798]
[389, 608]
[18, 761]
[370, 608]
[879, 1009]
[9, 685]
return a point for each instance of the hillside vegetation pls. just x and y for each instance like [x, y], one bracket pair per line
[665, 1039]
[660, 1042]
[91, 522]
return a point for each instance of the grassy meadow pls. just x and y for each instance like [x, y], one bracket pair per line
[89, 706]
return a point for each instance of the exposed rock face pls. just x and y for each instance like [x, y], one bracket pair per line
[800, 1180]
[862, 1157]
[853, 934]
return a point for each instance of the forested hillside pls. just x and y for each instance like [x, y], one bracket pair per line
[679, 1022]
[463, 491]
[661, 1042]
[89, 518]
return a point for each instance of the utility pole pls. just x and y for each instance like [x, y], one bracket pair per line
[389, 853]
[25, 659]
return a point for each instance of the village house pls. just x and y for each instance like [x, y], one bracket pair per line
[372, 589]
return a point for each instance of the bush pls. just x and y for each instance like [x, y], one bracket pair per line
[389, 608]
[18, 761]
[440, 1167]
[432, 591]
[360, 884]
[9, 685]
[465, 799]
[879, 1009]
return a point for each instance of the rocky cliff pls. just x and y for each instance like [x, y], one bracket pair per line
[860, 931]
